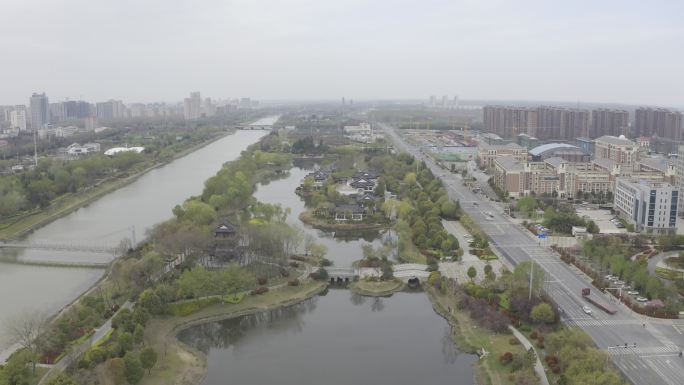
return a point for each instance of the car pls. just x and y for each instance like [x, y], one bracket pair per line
[633, 292]
[608, 277]
[613, 279]
[586, 309]
[490, 218]
[641, 299]
[475, 204]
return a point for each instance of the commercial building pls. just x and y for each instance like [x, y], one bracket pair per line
[40, 111]
[618, 149]
[609, 122]
[659, 122]
[560, 150]
[649, 206]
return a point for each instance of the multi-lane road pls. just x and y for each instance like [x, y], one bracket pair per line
[653, 346]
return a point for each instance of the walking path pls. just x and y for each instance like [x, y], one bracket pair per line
[538, 367]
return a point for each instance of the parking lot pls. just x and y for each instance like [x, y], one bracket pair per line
[627, 290]
[602, 218]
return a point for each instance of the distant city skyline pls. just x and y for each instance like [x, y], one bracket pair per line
[610, 51]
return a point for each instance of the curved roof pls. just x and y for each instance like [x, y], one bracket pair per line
[549, 146]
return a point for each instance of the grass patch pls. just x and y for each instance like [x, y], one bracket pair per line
[379, 288]
[470, 337]
[33, 379]
[185, 308]
[668, 274]
[104, 338]
[82, 338]
[234, 299]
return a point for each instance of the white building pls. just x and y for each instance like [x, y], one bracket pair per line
[192, 106]
[76, 149]
[18, 119]
[649, 206]
[679, 172]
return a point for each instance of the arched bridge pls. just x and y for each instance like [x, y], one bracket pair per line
[102, 249]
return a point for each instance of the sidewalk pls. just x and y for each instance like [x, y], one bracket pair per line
[538, 367]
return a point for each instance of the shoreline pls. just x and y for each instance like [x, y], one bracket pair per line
[108, 187]
[184, 364]
[367, 288]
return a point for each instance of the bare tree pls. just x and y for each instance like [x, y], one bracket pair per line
[27, 328]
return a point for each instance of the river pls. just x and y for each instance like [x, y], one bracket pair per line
[339, 338]
[107, 221]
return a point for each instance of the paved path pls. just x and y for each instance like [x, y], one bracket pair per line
[538, 367]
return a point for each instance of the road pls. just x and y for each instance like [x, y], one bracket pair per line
[655, 359]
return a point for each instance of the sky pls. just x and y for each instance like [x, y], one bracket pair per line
[160, 50]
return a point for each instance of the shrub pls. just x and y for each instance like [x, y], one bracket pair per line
[326, 262]
[534, 335]
[284, 273]
[294, 264]
[555, 368]
[262, 280]
[293, 282]
[506, 358]
[234, 299]
[259, 290]
[514, 341]
[551, 359]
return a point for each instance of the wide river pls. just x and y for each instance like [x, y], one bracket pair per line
[106, 222]
[340, 338]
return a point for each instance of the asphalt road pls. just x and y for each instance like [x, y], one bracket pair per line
[655, 359]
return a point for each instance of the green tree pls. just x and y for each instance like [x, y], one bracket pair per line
[138, 333]
[472, 273]
[126, 342]
[133, 367]
[148, 358]
[543, 313]
[116, 370]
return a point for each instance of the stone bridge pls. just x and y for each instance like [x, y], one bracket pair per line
[403, 271]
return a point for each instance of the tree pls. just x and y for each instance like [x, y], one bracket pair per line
[27, 329]
[138, 333]
[543, 313]
[472, 273]
[148, 358]
[125, 342]
[62, 379]
[133, 367]
[116, 369]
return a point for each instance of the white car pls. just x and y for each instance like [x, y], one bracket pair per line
[633, 292]
[586, 309]
[641, 299]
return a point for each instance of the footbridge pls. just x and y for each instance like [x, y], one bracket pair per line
[404, 271]
[85, 248]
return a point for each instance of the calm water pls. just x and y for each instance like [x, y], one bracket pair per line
[343, 248]
[142, 204]
[340, 338]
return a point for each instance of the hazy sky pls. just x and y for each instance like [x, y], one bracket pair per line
[152, 50]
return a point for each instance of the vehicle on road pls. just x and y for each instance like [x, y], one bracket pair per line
[641, 299]
[633, 292]
[586, 294]
[586, 309]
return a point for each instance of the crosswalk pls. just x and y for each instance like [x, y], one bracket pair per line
[586, 322]
[669, 349]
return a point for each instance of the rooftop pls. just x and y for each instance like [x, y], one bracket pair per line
[550, 146]
[509, 163]
[619, 141]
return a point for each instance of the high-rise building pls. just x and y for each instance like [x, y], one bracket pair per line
[191, 106]
[18, 119]
[679, 178]
[608, 122]
[77, 109]
[111, 109]
[509, 122]
[40, 111]
[57, 112]
[660, 122]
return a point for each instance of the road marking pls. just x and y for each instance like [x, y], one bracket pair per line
[677, 328]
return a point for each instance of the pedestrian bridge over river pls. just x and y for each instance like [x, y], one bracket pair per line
[404, 271]
[85, 248]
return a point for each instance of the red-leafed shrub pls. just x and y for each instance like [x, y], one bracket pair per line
[293, 282]
[259, 290]
[262, 280]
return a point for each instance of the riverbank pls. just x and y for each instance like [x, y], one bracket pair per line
[182, 364]
[376, 289]
[68, 204]
[309, 219]
[470, 338]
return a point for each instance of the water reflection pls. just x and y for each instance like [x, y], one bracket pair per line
[335, 339]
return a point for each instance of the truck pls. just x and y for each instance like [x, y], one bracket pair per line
[586, 294]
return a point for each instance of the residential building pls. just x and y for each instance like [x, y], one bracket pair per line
[18, 119]
[192, 106]
[487, 153]
[679, 178]
[618, 149]
[111, 109]
[643, 142]
[77, 109]
[659, 122]
[57, 112]
[649, 206]
[608, 122]
[509, 122]
[40, 111]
